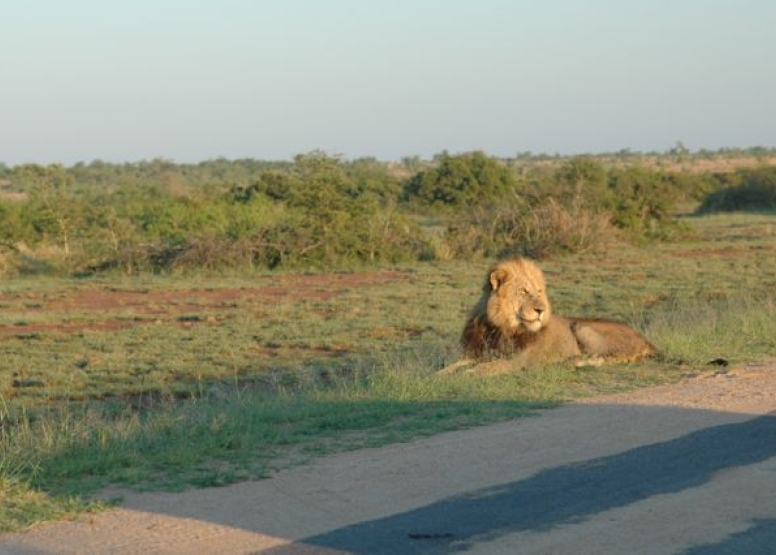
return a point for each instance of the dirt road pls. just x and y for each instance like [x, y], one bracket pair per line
[688, 468]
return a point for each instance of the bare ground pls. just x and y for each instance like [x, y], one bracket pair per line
[687, 468]
[100, 306]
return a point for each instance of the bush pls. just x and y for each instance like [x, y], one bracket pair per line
[577, 208]
[636, 199]
[341, 219]
[208, 253]
[461, 181]
[539, 229]
[552, 229]
[323, 212]
[755, 191]
[642, 201]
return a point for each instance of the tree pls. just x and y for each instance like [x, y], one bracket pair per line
[52, 209]
[679, 151]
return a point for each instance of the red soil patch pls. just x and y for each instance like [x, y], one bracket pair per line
[141, 307]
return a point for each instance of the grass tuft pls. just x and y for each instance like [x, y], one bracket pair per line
[738, 329]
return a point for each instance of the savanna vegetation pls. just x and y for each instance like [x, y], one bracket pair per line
[323, 212]
[168, 325]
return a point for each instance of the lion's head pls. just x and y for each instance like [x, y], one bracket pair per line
[512, 310]
[516, 297]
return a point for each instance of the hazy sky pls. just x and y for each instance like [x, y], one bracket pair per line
[191, 80]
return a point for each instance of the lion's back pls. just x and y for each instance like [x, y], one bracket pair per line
[610, 339]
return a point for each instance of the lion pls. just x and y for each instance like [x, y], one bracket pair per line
[512, 327]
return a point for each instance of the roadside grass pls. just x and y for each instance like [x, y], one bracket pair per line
[22, 505]
[204, 393]
[733, 329]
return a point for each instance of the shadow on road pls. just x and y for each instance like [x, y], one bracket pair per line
[569, 494]
[760, 539]
[566, 467]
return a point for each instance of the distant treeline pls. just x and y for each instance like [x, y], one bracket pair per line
[323, 211]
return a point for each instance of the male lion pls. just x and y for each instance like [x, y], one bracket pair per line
[512, 327]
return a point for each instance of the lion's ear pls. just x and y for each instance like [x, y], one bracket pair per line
[497, 278]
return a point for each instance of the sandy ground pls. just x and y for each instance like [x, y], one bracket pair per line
[688, 468]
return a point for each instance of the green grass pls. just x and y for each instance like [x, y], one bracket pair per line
[22, 505]
[246, 435]
[200, 390]
[742, 329]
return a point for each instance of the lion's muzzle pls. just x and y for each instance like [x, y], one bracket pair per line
[532, 322]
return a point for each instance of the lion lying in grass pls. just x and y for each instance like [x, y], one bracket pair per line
[512, 327]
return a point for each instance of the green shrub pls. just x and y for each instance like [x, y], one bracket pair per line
[754, 190]
[577, 208]
[461, 181]
[538, 229]
[321, 211]
[642, 201]
[340, 219]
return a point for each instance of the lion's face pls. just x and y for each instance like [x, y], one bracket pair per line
[517, 300]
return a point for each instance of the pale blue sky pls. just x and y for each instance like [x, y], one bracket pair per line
[191, 80]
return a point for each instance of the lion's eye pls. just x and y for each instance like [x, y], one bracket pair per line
[524, 291]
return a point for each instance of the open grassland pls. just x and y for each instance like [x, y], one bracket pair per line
[172, 382]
